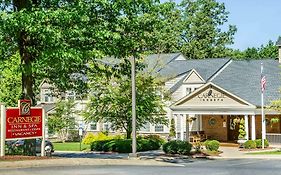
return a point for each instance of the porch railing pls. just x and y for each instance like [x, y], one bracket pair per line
[274, 138]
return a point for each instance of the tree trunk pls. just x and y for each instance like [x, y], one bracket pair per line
[26, 67]
[128, 134]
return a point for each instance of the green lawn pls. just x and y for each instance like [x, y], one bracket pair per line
[70, 146]
[277, 152]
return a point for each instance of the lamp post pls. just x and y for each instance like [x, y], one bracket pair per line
[133, 79]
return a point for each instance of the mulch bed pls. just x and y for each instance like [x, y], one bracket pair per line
[20, 158]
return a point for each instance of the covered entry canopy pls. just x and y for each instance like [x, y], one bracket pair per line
[212, 99]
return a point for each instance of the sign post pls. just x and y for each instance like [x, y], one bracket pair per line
[3, 129]
[43, 134]
[80, 132]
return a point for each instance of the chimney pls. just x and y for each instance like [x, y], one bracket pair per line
[278, 44]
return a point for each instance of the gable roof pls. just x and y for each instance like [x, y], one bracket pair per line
[205, 67]
[213, 86]
[242, 78]
[197, 76]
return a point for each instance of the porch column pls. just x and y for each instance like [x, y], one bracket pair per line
[182, 127]
[253, 129]
[246, 127]
[187, 128]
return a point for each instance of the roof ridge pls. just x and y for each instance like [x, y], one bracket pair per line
[177, 54]
[212, 77]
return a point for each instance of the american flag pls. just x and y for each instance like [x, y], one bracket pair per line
[263, 80]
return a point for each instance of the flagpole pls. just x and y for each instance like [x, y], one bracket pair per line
[262, 111]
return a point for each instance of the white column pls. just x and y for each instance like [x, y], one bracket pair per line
[3, 130]
[187, 128]
[182, 127]
[246, 127]
[176, 124]
[43, 134]
[253, 129]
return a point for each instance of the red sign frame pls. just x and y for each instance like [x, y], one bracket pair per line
[24, 127]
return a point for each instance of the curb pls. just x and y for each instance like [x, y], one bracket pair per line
[245, 157]
[80, 162]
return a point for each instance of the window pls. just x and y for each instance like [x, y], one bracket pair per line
[159, 128]
[106, 127]
[47, 96]
[93, 126]
[146, 127]
[188, 91]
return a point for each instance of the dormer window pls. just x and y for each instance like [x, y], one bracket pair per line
[47, 95]
[188, 91]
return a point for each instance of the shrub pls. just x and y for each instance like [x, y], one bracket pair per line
[73, 136]
[259, 143]
[250, 144]
[90, 138]
[212, 145]
[177, 147]
[156, 138]
[99, 145]
[120, 146]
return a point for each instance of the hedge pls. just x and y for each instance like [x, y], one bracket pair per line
[212, 145]
[125, 145]
[250, 144]
[177, 147]
[259, 143]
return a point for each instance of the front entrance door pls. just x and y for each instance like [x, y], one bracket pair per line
[233, 127]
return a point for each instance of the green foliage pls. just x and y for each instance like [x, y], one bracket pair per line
[150, 142]
[242, 132]
[259, 143]
[270, 50]
[177, 147]
[125, 145]
[73, 136]
[62, 120]
[90, 137]
[110, 99]
[100, 145]
[212, 145]
[154, 137]
[250, 144]
[10, 81]
[202, 34]
[172, 132]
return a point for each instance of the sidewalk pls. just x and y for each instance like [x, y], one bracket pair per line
[234, 153]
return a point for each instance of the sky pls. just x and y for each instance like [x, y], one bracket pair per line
[257, 21]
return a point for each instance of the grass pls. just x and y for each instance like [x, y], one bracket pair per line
[277, 152]
[70, 146]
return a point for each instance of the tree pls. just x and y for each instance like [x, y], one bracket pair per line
[202, 34]
[110, 99]
[10, 81]
[172, 132]
[270, 50]
[62, 120]
[167, 35]
[56, 39]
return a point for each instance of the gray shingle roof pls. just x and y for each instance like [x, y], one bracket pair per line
[206, 67]
[242, 78]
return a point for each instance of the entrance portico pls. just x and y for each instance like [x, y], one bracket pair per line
[213, 111]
